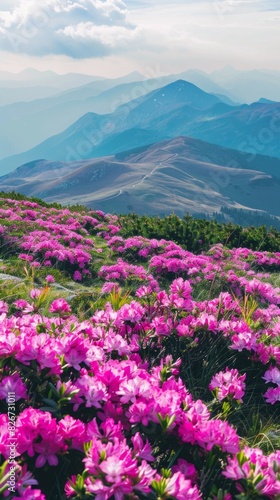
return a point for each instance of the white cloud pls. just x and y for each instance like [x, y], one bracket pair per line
[139, 33]
[88, 39]
[64, 27]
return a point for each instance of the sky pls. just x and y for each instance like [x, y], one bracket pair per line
[114, 37]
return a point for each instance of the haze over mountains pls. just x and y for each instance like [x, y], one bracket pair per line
[179, 108]
[48, 103]
[35, 105]
[202, 146]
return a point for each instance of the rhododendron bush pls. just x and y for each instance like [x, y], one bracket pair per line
[167, 388]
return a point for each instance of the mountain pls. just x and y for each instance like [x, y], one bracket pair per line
[248, 86]
[204, 81]
[38, 98]
[11, 95]
[166, 100]
[43, 118]
[85, 138]
[263, 100]
[180, 175]
[32, 84]
[31, 77]
[253, 128]
[179, 108]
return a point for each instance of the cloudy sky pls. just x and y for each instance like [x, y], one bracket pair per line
[113, 37]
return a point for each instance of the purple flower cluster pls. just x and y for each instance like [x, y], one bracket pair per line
[107, 391]
[53, 237]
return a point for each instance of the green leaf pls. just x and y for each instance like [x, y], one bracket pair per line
[50, 402]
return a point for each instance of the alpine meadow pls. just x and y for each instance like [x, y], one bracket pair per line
[139, 250]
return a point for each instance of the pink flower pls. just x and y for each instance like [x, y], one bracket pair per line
[185, 468]
[177, 486]
[60, 306]
[77, 276]
[114, 468]
[187, 431]
[140, 412]
[168, 403]
[3, 307]
[4, 435]
[35, 293]
[272, 375]
[218, 433]
[251, 466]
[141, 450]
[75, 349]
[25, 479]
[47, 450]
[108, 430]
[93, 391]
[73, 430]
[228, 384]
[38, 433]
[145, 476]
[99, 489]
[131, 313]
[181, 288]
[110, 287]
[24, 306]
[30, 494]
[244, 340]
[272, 395]
[69, 490]
[50, 279]
[130, 389]
[198, 413]
[162, 325]
[116, 462]
[13, 384]
[118, 344]
[35, 264]
[27, 257]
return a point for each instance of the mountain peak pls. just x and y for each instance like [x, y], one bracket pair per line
[263, 100]
[30, 73]
[181, 83]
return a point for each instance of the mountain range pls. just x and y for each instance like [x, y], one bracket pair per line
[35, 105]
[179, 108]
[146, 145]
[180, 175]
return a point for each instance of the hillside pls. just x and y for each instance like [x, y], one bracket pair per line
[125, 353]
[180, 175]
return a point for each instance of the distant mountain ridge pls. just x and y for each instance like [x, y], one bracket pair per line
[46, 116]
[180, 175]
[93, 128]
[47, 103]
[248, 85]
[179, 108]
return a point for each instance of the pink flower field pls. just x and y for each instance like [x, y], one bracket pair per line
[132, 368]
